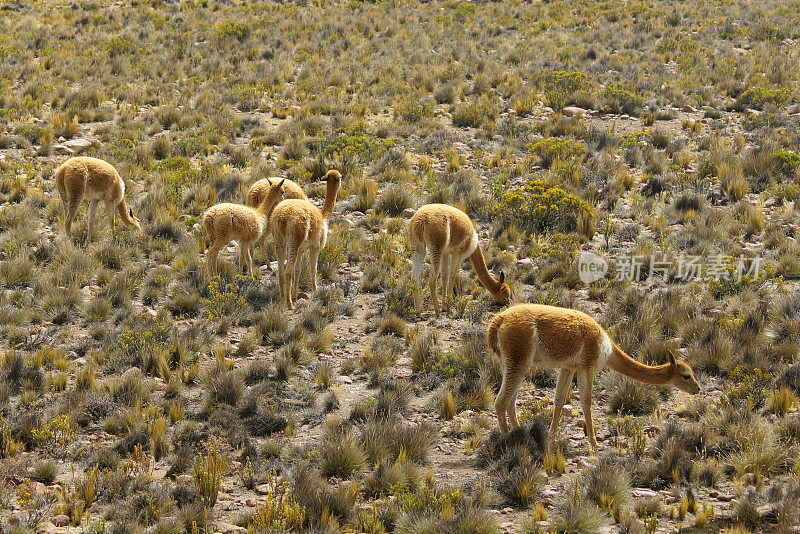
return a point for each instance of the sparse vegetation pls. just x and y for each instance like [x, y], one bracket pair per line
[138, 394]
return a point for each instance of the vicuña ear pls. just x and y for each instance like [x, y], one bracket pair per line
[130, 211]
[281, 184]
[269, 181]
[672, 359]
[502, 277]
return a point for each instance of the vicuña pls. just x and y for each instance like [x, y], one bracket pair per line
[528, 335]
[451, 237]
[246, 225]
[298, 226]
[258, 192]
[98, 181]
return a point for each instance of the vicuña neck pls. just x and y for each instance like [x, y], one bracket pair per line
[330, 198]
[124, 213]
[657, 375]
[265, 208]
[486, 278]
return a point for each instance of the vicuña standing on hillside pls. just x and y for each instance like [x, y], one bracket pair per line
[528, 335]
[98, 181]
[452, 238]
[297, 226]
[258, 192]
[246, 225]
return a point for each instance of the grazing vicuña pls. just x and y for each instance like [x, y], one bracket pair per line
[98, 181]
[528, 335]
[452, 238]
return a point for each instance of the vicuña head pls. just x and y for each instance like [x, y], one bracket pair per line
[683, 376]
[226, 221]
[451, 238]
[81, 176]
[525, 335]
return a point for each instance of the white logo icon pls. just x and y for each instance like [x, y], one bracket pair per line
[591, 267]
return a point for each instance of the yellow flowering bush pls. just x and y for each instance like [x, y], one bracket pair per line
[538, 208]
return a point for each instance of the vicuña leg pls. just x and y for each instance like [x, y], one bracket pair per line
[562, 390]
[417, 258]
[585, 380]
[212, 254]
[313, 257]
[445, 276]
[508, 392]
[436, 263]
[291, 277]
[280, 250]
[111, 210]
[92, 213]
[455, 265]
[246, 258]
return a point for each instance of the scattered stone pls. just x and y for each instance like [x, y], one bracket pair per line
[47, 528]
[408, 213]
[79, 145]
[749, 112]
[228, 528]
[573, 111]
[262, 489]
[645, 493]
[344, 379]
[61, 150]
[688, 109]
[250, 502]
[525, 261]
[725, 497]
[60, 520]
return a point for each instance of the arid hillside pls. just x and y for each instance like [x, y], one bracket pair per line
[637, 161]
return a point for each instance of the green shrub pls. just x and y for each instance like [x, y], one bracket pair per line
[413, 111]
[758, 97]
[232, 28]
[562, 88]
[474, 114]
[790, 192]
[620, 98]
[786, 161]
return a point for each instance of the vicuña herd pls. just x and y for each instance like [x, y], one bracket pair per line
[521, 337]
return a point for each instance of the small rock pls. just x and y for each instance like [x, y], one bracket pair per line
[645, 493]
[78, 145]
[725, 497]
[408, 213]
[228, 528]
[262, 489]
[344, 379]
[60, 520]
[61, 150]
[525, 261]
[573, 111]
[47, 528]
[250, 502]
[688, 109]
